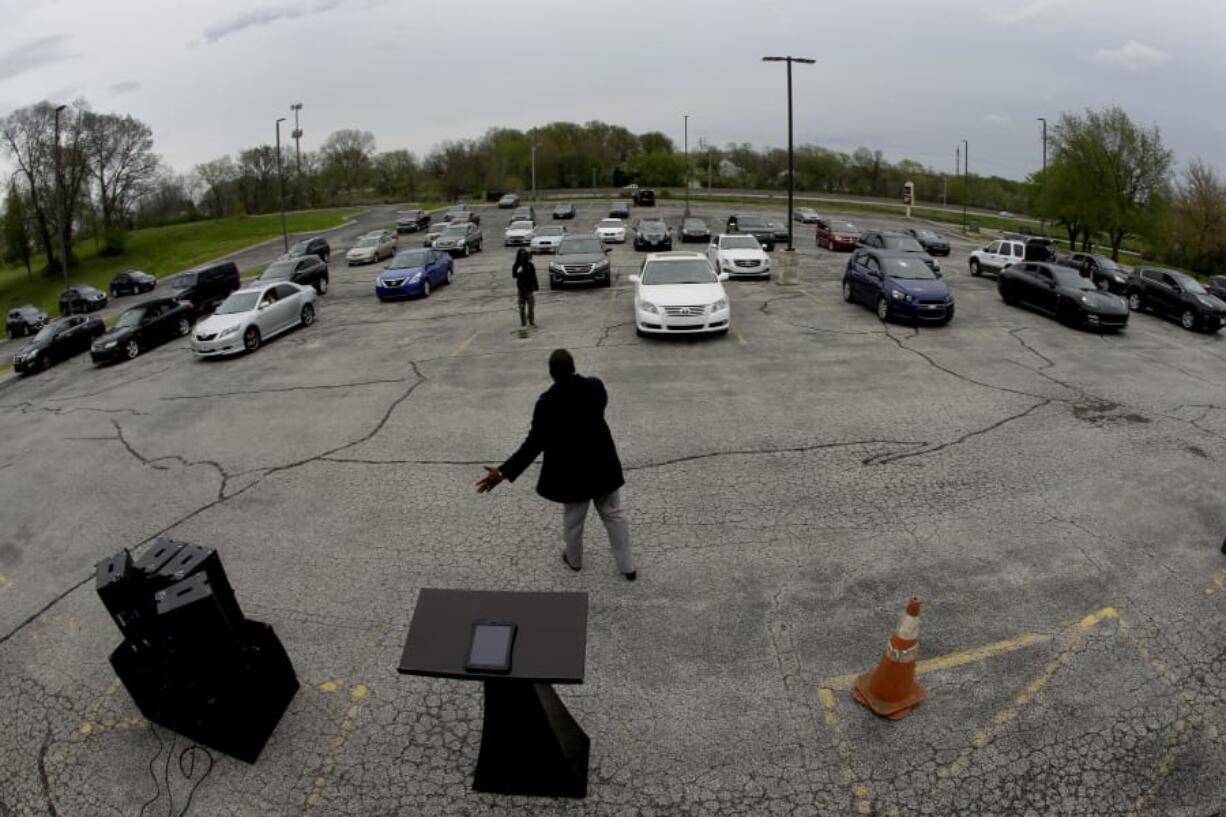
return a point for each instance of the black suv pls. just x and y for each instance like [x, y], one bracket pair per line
[142, 327]
[580, 258]
[1104, 272]
[900, 243]
[644, 197]
[619, 209]
[24, 320]
[309, 272]
[1177, 295]
[207, 286]
[132, 282]
[81, 299]
[411, 221]
[527, 213]
[652, 234]
[1217, 286]
[755, 226]
[931, 241]
[317, 246]
[564, 211]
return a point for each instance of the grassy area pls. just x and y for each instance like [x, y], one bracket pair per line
[160, 251]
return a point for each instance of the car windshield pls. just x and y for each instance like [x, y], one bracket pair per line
[1107, 264]
[580, 246]
[277, 272]
[610, 223]
[409, 260]
[904, 243]
[300, 248]
[752, 222]
[908, 269]
[843, 227]
[455, 231]
[520, 225]
[1191, 285]
[187, 279]
[239, 302]
[130, 319]
[1072, 279]
[368, 242]
[46, 333]
[739, 242]
[545, 231]
[695, 224]
[562, 208]
[652, 226]
[687, 271]
[928, 234]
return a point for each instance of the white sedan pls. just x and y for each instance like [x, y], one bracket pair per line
[679, 292]
[519, 233]
[611, 231]
[251, 316]
[738, 255]
[547, 239]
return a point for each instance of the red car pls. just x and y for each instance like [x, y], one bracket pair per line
[837, 235]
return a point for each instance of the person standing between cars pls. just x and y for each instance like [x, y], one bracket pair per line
[524, 273]
[580, 465]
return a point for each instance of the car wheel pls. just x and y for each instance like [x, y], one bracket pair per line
[1135, 303]
[425, 288]
[553, 284]
[883, 309]
[321, 286]
[1188, 319]
[949, 316]
[307, 316]
[450, 273]
[185, 326]
[326, 257]
[1006, 293]
[467, 250]
[847, 296]
[114, 292]
[132, 349]
[975, 270]
[251, 339]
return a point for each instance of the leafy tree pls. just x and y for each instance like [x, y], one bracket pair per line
[396, 173]
[1198, 219]
[655, 142]
[347, 158]
[15, 229]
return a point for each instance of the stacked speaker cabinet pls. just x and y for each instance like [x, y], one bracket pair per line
[189, 658]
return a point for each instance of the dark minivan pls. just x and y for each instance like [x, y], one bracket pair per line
[644, 197]
[206, 287]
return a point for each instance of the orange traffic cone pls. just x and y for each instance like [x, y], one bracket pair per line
[890, 690]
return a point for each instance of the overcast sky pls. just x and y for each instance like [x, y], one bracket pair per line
[912, 79]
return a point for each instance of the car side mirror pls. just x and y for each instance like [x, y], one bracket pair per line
[264, 305]
[937, 273]
[634, 279]
[608, 249]
[723, 276]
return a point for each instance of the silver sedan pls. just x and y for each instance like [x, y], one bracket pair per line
[251, 316]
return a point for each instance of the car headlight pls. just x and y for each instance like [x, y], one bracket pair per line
[414, 278]
[936, 265]
[649, 308]
[600, 265]
[719, 305]
[229, 330]
[110, 344]
[899, 295]
[1204, 301]
[1085, 299]
[555, 267]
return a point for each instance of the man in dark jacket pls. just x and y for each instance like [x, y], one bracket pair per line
[524, 273]
[580, 466]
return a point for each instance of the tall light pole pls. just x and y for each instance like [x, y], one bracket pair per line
[534, 147]
[59, 196]
[791, 157]
[686, 119]
[966, 179]
[297, 134]
[1043, 219]
[281, 187]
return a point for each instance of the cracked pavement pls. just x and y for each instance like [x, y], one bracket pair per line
[786, 494]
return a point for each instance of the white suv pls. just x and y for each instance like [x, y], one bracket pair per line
[997, 256]
[680, 292]
[738, 255]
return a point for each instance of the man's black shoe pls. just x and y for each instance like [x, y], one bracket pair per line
[631, 576]
[568, 564]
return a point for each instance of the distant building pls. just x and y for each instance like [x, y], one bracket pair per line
[729, 169]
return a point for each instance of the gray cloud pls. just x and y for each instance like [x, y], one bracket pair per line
[125, 87]
[31, 55]
[1131, 54]
[1034, 10]
[265, 16]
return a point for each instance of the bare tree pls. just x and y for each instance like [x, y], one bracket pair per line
[218, 177]
[28, 136]
[1198, 223]
[119, 157]
[347, 158]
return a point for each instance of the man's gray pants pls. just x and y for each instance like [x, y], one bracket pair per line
[574, 514]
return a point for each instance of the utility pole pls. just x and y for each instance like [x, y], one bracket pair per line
[534, 147]
[966, 183]
[944, 191]
[59, 196]
[686, 118]
[281, 187]
[297, 134]
[1043, 218]
[791, 157]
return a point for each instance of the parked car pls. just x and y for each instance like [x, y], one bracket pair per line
[464, 217]
[836, 235]
[1062, 293]
[644, 197]
[457, 210]
[411, 221]
[611, 231]
[371, 249]
[308, 272]
[434, 231]
[206, 286]
[1176, 295]
[897, 284]
[738, 255]
[899, 243]
[527, 213]
[563, 211]
[82, 298]
[518, 234]
[384, 234]
[1039, 248]
[463, 239]
[132, 282]
[619, 209]
[652, 234]
[142, 327]
[805, 215]
[317, 246]
[997, 256]
[755, 226]
[780, 231]
[251, 316]
[413, 273]
[933, 242]
[24, 320]
[546, 239]
[1217, 286]
[57, 341]
[694, 229]
[580, 258]
[1104, 272]
[508, 201]
[679, 292]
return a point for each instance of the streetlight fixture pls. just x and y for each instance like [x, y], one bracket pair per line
[686, 119]
[281, 187]
[59, 196]
[1043, 218]
[966, 179]
[791, 157]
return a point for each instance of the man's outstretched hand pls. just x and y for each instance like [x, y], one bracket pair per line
[492, 477]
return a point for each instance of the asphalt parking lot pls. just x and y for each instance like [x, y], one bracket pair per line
[1054, 496]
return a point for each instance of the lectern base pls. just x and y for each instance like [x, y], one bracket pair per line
[530, 744]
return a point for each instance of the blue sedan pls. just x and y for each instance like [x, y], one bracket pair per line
[412, 273]
[897, 285]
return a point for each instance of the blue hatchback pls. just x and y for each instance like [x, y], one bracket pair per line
[897, 285]
[413, 273]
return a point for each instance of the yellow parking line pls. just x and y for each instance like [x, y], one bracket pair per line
[740, 337]
[811, 297]
[1219, 583]
[334, 746]
[459, 350]
[4, 582]
[861, 795]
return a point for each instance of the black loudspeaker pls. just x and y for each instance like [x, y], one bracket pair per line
[189, 659]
